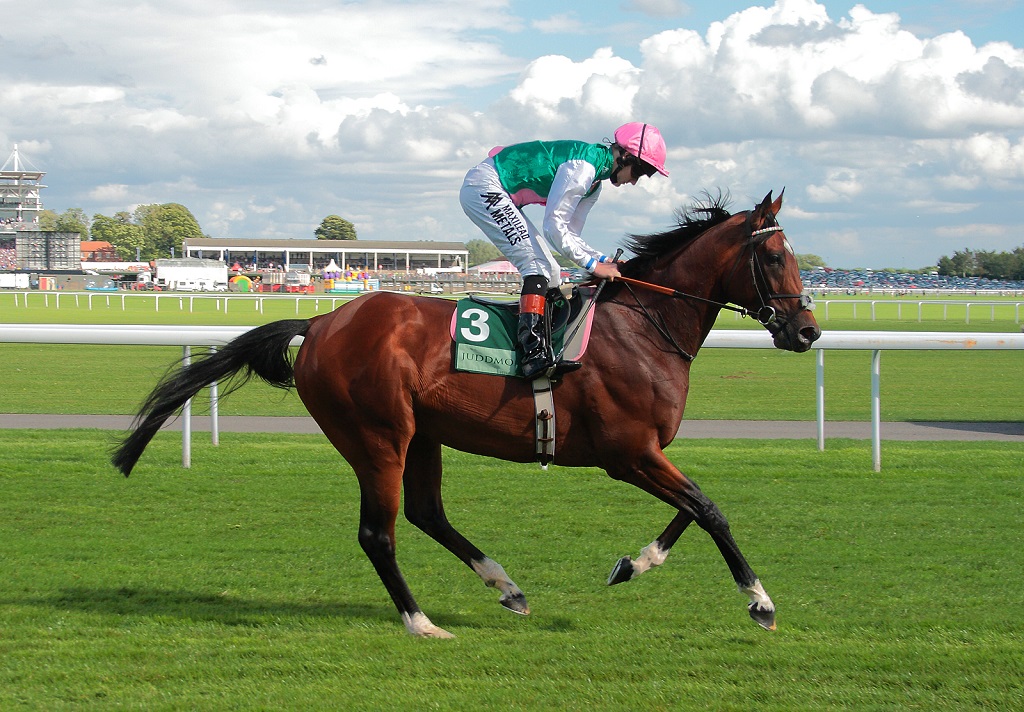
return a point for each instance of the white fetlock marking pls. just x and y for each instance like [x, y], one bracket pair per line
[419, 625]
[494, 576]
[650, 555]
[758, 596]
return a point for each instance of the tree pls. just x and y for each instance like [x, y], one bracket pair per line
[481, 251]
[164, 227]
[48, 221]
[71, 220]
[998, 265]
[334, 227]
[961, 264]
[809, 261]
[122, 233]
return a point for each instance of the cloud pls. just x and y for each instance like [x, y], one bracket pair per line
[839, 185]
[556, 90]
[566, 22]
[658, 8]
[109, 194]
[263, 117]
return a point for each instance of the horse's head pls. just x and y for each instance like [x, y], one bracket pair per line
[767, 281]
[713, 257]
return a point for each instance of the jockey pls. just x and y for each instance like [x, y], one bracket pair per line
[566, 177]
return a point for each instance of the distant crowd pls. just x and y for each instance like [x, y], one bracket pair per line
[8, 258]
[855, 281]
[17, 223]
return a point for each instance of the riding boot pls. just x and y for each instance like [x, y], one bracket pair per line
[563, 366]
[536, 354]
[534, 336]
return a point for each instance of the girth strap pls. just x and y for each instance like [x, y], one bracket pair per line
[544, 408]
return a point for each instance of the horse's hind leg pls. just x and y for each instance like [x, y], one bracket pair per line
[424, 508]
[654, 554]
[379, 502]
[380, 493]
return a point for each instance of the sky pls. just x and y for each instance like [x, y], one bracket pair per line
[896, 128]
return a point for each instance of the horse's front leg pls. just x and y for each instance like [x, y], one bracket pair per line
[761, 607]
[660, 478]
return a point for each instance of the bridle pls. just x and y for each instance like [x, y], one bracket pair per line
[766, 315]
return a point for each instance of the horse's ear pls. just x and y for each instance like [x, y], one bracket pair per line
[777, 205]
[762, 212]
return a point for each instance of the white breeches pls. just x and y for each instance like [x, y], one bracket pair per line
[492, 210]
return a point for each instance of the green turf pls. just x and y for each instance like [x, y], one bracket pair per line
[239, 584]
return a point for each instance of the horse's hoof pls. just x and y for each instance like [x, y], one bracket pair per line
[764, 618]
[623, 571]
[516, 603]
[420, 626]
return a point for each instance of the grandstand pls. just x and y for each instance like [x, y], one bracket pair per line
[20, 204]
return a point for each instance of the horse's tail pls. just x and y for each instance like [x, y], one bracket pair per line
[262, 352]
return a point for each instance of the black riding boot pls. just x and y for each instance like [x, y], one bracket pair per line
[533, 343]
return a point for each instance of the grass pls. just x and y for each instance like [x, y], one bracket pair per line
[239, 584]
[727, 383]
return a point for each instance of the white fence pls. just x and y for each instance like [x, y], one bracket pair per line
[173, 300]
[871, 304]
[213, 336]
[858, 308]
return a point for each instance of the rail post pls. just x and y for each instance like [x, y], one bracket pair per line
[186, 417]
[876, 409]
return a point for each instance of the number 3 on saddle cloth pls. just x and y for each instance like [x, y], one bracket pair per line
[484, 331]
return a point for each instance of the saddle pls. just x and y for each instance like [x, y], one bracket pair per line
[483, 330]
[484, 334]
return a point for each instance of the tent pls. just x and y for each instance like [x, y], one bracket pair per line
[494, 267]
[332, 270]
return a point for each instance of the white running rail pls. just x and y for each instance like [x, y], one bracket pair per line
[213, 336]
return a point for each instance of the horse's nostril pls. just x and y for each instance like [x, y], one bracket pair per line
[810, 334]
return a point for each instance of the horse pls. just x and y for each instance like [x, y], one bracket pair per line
[377, 375]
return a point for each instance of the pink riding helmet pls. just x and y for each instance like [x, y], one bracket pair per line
[645, 142]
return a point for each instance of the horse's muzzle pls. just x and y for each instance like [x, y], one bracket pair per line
[796, 333]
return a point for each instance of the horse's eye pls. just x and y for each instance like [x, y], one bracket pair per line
[776, 258]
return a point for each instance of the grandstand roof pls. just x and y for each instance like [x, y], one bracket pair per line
[296, 245]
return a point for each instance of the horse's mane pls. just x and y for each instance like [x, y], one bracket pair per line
[705, 212]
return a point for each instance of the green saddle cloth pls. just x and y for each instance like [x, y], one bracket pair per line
[485, 338]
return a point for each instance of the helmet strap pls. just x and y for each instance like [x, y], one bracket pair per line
[623, 159]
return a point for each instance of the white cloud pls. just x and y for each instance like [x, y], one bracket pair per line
[109, 194]
[993, 155]
[839, 186]
[264, 117]
[566, 22]
[658, 8]
[554, 88]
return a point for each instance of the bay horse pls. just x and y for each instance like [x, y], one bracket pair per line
[377, 375]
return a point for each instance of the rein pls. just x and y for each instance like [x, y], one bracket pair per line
[765, 315]
[743, 311]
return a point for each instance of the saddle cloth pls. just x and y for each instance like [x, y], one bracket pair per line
[484, 332]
